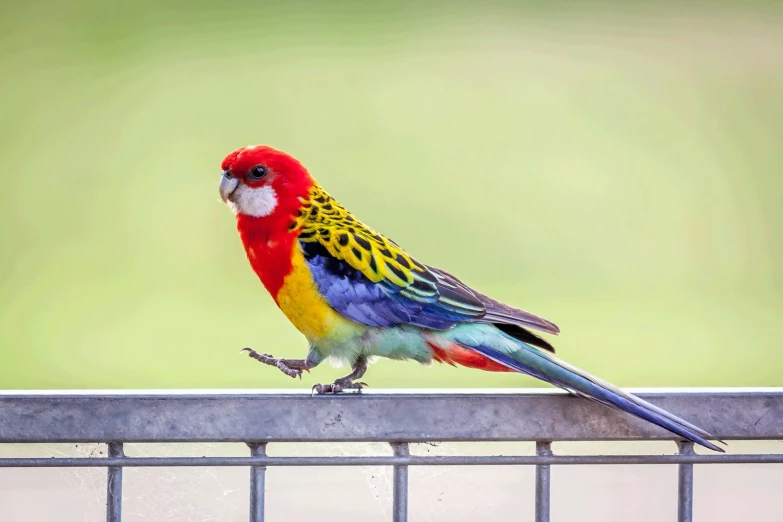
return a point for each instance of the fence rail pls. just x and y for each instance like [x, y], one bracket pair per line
[258, 418]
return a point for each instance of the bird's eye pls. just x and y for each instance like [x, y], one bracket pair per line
[257, 172]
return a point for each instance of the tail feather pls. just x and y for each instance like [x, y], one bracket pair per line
[548, 368]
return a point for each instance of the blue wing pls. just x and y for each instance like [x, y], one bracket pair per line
[352, 294]
[445, 303]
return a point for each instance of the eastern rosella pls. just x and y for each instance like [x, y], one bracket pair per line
[355, 294]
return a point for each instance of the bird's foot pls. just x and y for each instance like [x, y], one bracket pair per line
[338, 386]
[290, 367]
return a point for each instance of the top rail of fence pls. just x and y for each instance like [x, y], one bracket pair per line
[378, 415]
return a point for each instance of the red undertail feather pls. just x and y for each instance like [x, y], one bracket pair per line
[455, 354]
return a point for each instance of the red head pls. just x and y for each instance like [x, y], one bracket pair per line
[263, 184]
[265, 188]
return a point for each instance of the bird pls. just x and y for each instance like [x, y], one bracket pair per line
[356, 295]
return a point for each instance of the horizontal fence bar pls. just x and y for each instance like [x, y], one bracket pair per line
[500, 415]
[134, 462]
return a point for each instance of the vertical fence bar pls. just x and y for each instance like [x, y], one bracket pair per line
[114, 485]
[685, 486]
[543, 449]
[400, 494]
[257, 483]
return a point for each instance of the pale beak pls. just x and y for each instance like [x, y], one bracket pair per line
[228, 185]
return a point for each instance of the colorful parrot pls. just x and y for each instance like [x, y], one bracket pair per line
[355, 294]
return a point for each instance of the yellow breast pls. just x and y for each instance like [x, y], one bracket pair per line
[308, 311]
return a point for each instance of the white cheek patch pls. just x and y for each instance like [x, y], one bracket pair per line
[256, 202]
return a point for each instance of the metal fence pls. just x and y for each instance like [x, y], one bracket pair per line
[258, 418]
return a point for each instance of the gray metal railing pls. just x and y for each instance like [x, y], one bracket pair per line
[399, 418]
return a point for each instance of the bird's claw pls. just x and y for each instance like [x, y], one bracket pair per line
[280, 364]
[262, 357]
[337, 387]
[291, 372]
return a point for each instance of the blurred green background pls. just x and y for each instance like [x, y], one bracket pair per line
[616, 169]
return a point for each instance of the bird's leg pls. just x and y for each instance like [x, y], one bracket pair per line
[290, 367]
[348, 382]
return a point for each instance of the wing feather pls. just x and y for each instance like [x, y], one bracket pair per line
[371, 280]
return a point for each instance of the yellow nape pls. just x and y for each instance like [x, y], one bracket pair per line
[308, 311]
[324, 220]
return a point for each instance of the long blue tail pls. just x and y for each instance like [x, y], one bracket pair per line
[546, 367]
